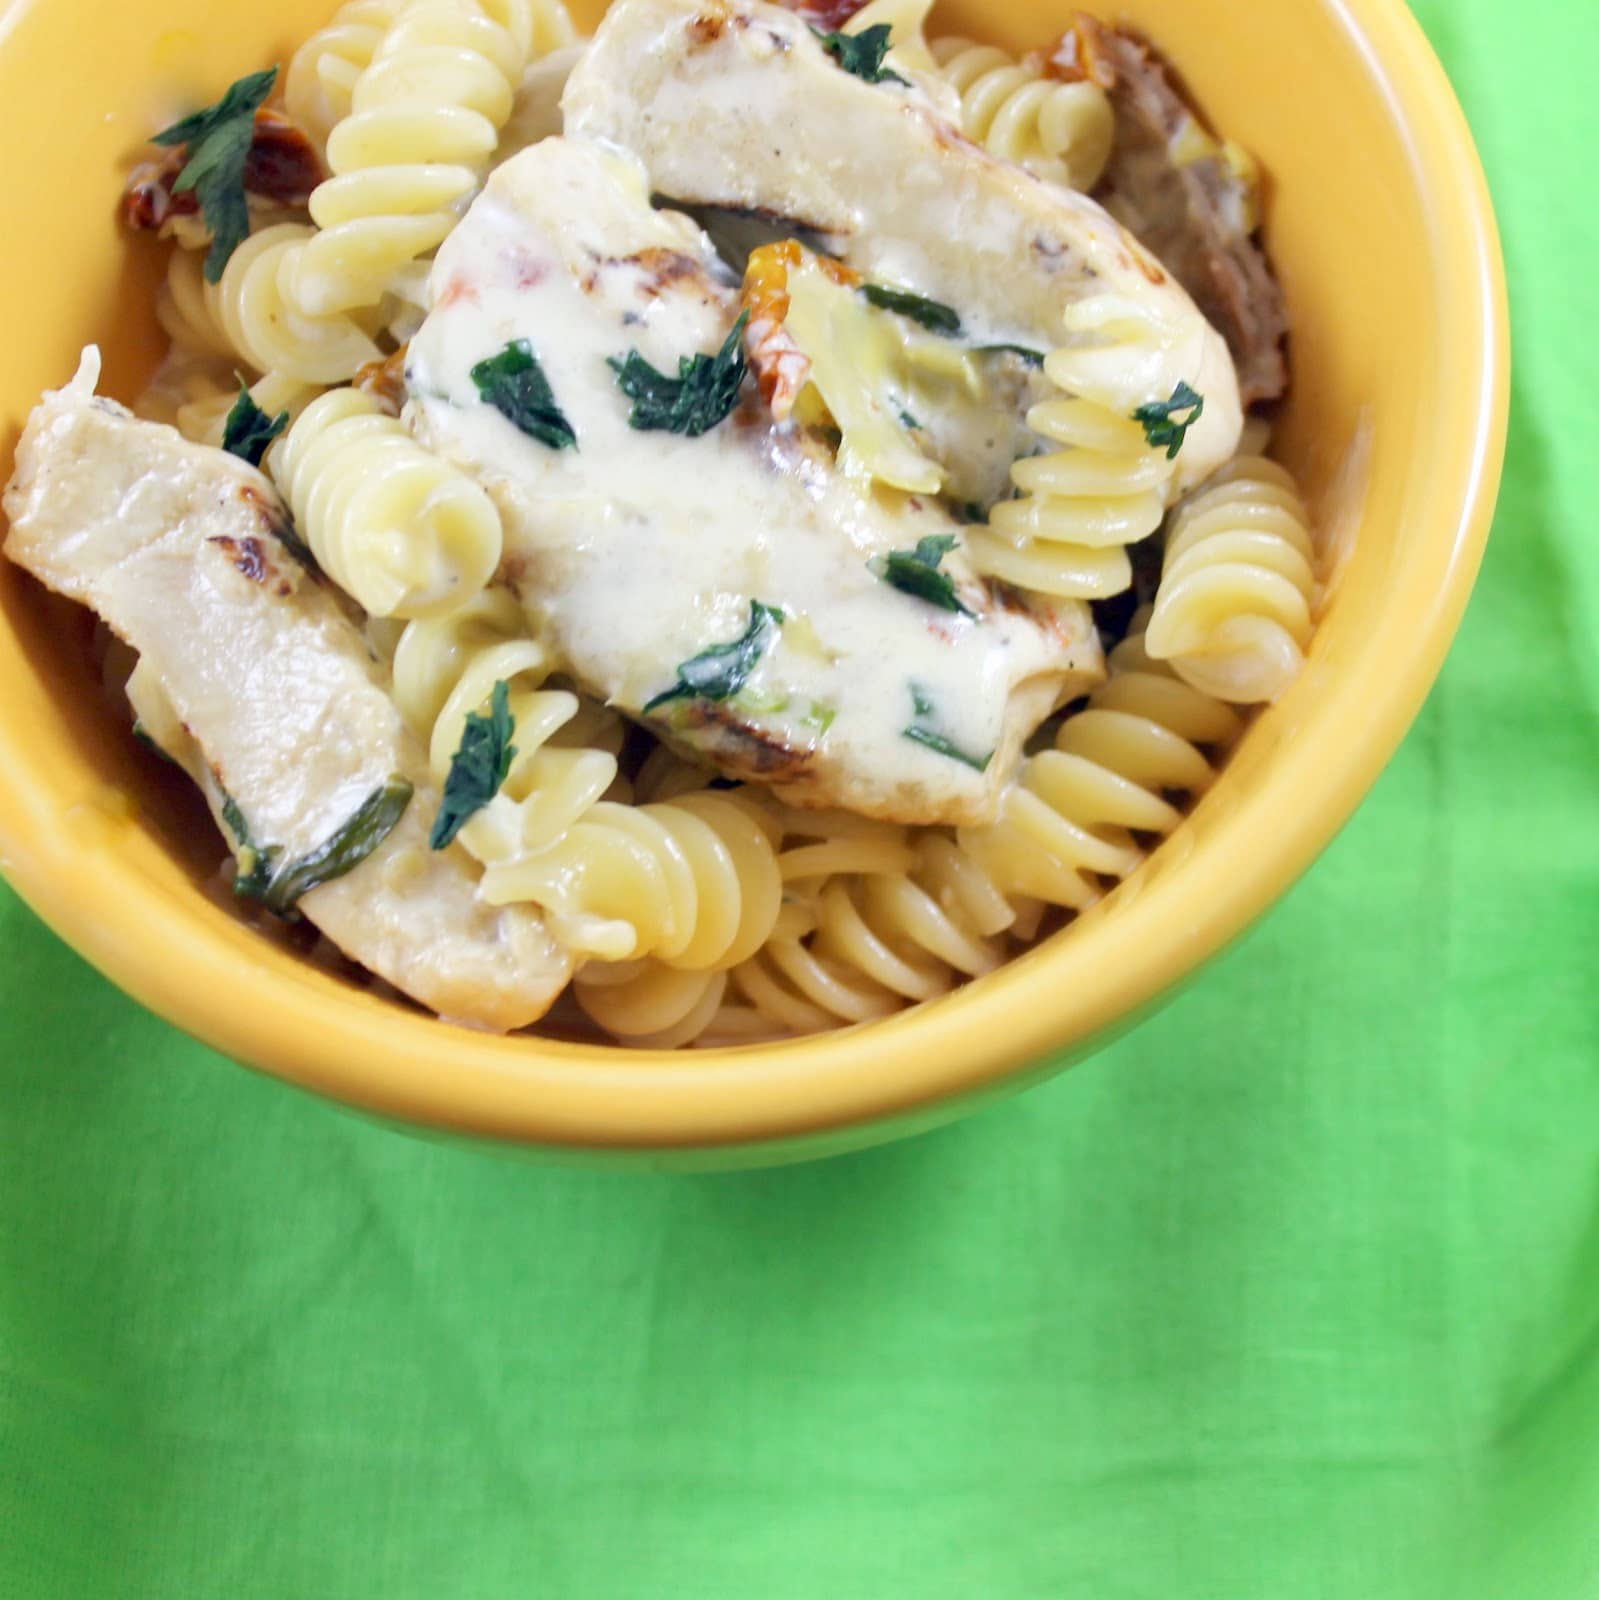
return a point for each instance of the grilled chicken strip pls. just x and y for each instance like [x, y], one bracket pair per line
[178, 547]
[736, 104]
[649, 554]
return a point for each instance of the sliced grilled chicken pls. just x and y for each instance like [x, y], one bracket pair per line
[737, 104]
[728, 586]
[179, 548]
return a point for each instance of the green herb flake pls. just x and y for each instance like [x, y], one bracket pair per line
[280, 889]
[1033, 358]
[932, 739]
[479, 767]
[930, 314]
[253, 863]
[513, 383]
[1162, 428]
[249, 430]
[722, 671]
[937, 743]
[217, 142]
[915, 572]
[703, 393]
[373, 821]
[862, 54]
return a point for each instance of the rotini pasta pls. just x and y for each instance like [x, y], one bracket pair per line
[1233, 613]
[445, 669]
[780, 595]
[1060, 131]
[1106, 489]
[423, 123]
[320, 83]
[400, 530]
[692, 883]
[1074, 820]
[875, 918]
[247, 320]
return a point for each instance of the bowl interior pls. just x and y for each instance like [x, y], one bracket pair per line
[1381, 229]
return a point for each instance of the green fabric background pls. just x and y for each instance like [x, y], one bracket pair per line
[1293, 1293]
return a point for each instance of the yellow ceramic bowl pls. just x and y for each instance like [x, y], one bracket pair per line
[1381, 225]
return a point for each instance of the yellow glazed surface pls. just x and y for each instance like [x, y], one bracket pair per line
[1381, 225]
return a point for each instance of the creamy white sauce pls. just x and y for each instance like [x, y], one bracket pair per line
[736, 105]
[640, 550]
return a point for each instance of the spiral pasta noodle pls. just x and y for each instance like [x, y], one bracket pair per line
[875, 918]
[248, 321]
[1106, 488]
[1233, 613]
[1059, 131]
[1072, 822]
[424, 119]
[402, 531]
[692, 884]
[320, 83]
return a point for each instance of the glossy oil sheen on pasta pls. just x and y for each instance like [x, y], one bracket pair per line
[695, 608]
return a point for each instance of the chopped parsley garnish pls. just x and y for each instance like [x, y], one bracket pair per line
[942, 746]
[932, 739]
[931, 314]
[1162, 428]
[722, 671]
[218, 142]
[915, 572]
[703, 393]
[249, 430]
[253, 864]
[479, 767]
[862, 54]
[1033, 358]
[280, 889]
[513, 383]
[910, 421]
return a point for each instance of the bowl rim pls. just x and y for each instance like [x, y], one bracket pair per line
[860, 1084]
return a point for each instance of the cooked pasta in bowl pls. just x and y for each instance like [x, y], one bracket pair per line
[725, 577]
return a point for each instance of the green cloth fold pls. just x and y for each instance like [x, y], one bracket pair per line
[1292, 1294]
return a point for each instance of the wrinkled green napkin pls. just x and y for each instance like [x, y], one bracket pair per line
[1293, 1293]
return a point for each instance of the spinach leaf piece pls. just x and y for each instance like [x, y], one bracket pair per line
[931, 314]
[720, 672]
[862, 54]
[249, 430]
[703, 393]
[478, 768]
[513, 383]
[280, 888]
[915, 572]
[1161, 426]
